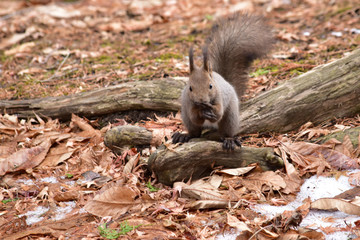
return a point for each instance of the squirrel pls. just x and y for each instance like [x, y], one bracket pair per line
[213, 90]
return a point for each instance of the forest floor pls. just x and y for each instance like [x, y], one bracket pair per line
[50, 171]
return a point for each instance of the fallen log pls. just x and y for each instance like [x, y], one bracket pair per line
[158, 95]
[194, 160]
[326, 92]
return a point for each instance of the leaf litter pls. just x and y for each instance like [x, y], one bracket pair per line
[62, 175]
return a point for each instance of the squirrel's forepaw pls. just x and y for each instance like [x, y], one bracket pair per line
[231, 143]
[210, 115]
[180, 137]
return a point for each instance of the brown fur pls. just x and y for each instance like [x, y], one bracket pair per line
[210, 93]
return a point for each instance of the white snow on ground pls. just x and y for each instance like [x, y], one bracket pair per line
[28, 182]
[315, 187]
[62, 211]
[49, 180]
[229, 235]
[35, 216]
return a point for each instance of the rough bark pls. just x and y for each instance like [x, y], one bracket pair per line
[328, 91]
[160, 95]
[197, 159]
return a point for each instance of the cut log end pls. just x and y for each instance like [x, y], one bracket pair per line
[128, 135]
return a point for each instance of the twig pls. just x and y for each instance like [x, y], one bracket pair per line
[57, 70]
[261, 228]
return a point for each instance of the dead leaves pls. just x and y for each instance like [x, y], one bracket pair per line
[316, 158]
[263, 182]
[331, 204]
[24, 159]
[117, 201]
[347, 202]
[43, 146]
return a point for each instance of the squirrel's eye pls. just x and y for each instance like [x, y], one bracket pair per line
[190, 89]
[210, 86]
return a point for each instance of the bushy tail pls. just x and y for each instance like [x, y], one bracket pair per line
[234, 43]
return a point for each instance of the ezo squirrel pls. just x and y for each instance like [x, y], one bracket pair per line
[213, 90]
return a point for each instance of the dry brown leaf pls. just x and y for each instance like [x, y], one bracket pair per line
[82, 124]
[333, 204]
[293, 180]
[334, 158]
[354, 179]
[268, 234]
[349, 194]
[303, 234]
[286, 36]
[313, 132]
[16, 38]
[348, 148]
[25, 47]
[67, 196]
[200, 189]
[58, 11]
[25, 158]
[57, 155]
[52, 228]
[44, 193]
[237, 171]
[297, 158]
[318, 164]
[138, 25]
[159, 135]
[133, 161]
[215, 180]
[33, 70]
[116, 201]
[263, 181]
[87, 159]
[236, 223]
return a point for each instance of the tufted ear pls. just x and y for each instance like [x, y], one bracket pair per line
[206, 65]
[191, 59]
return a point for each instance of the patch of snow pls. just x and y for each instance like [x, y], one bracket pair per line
[70, 183]
[315, 219]
[323, 187]
[82, 210]
[62, 211]
[317, 187]
[336, 34]
[27, 182]
[228, 235]
[355, 31]
[49, 180]
[341, 235]
[35, 216]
